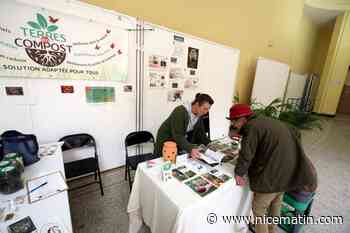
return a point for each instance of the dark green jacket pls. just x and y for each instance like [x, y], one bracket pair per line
[273, 157]
[174, 128]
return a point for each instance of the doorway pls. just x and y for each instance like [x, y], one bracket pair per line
[344, 101]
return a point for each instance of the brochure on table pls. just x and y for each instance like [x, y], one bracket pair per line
[220, 150]
[202, 175]
[201, 178]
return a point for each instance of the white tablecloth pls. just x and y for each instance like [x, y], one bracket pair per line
[172, 207]
[49, 210]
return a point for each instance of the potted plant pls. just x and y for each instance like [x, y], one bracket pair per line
[287, 113]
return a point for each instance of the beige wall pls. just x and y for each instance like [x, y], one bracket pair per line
[306, 46]
[324, 36]
[247, 25]
[335, 68]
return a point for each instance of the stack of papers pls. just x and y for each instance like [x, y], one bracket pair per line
[45, 186]
[203, 182]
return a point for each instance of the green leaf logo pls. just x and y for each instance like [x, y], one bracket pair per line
[42, 21]
[34, 25]
[52, 28]
[42, 24]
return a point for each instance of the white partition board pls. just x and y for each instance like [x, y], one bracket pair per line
[217, 68]
[296, 85]
[50, 115]
[270, 81]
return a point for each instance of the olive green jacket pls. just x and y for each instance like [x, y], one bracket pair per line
[273, 157]
[174, 128]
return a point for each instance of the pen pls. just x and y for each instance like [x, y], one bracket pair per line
[50, 194]
[45, 183]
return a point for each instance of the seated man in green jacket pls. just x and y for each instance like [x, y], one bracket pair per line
[274, 160]
[183, 121]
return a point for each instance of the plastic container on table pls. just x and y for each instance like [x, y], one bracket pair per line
[10, 180]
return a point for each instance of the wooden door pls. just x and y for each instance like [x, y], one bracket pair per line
[344, 102]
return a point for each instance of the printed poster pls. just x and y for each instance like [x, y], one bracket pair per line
[192, 58]
[158, 67]
[41, 43]
[158, 62]
[157, 79]
[175, 95]
[100, 94]
[14, 90]
[191, 83]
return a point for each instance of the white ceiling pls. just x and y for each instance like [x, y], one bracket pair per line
[320, 16]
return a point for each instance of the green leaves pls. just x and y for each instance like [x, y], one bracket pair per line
[34, 25]
[52, 28]
[236, 99]
[42, 24]
[300, 119]
[41, 20]
[287, 113]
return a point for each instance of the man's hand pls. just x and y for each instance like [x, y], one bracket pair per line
[240, 181]
[232, 133]
[195, 154]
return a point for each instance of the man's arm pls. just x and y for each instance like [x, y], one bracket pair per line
[178, 129]
[202, 136]
[247, 153]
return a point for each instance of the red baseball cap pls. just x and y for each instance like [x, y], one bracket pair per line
[240, 110]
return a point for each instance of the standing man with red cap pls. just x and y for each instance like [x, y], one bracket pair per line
[274, 160]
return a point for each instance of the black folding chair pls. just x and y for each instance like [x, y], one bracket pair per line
[83, 166]
[131, 161]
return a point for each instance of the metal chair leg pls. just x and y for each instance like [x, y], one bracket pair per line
[126, 172]
[129, 176]
[100, 181]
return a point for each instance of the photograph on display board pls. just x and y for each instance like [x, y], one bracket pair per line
[157, 62]
[174, 60]
[192, 73]
[176, 73]
[179, 50]
[175, 95]
[100, 94]
[175, 85]
[192, 58]
[14, 90]
[127, 88]
[67, 89]
[157, 80]
[191, 83]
